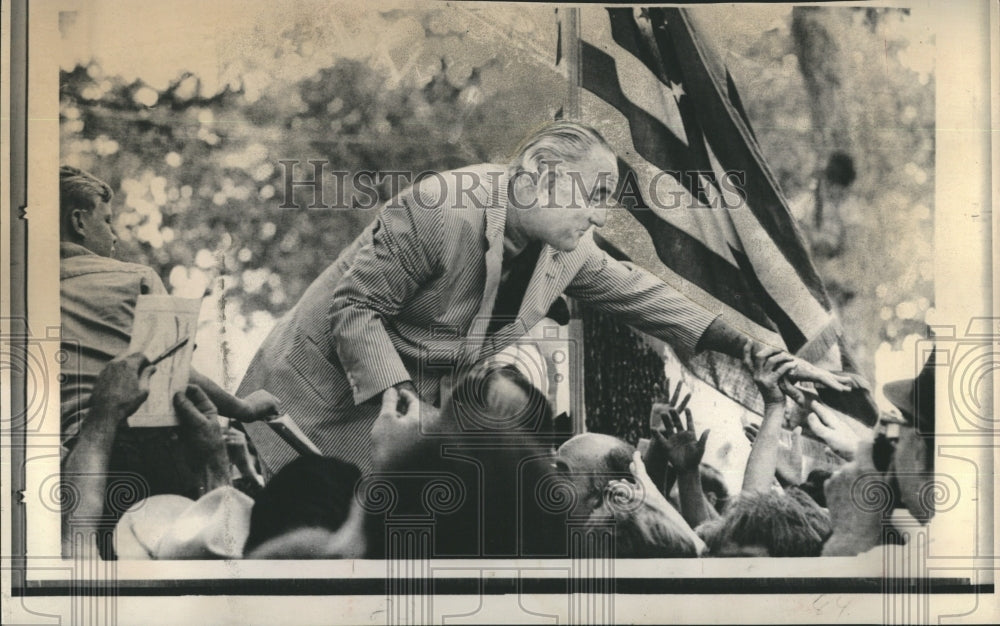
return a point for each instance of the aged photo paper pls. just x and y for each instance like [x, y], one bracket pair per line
[819, 176]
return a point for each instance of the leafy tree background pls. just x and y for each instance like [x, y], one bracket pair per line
[192, 148]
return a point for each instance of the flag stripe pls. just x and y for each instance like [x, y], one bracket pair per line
[640, 83]
[645, 68]
[665, 196]
[651, 138]
[656, 144]
[794, 339]
[722, 127]
[706, 269]
[772, 270]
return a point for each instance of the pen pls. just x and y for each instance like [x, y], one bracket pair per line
[170, 351]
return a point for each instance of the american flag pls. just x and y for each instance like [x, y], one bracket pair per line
[703, 211]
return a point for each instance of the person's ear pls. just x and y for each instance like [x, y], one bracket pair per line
[711, 497]
[77, 223]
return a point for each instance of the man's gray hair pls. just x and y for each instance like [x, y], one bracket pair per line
[79, 190]
[557, 141]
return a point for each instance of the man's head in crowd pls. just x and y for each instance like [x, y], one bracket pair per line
[85, 212]
[589, 461]
[448, 452]
[642, 530]
[498, 400]
[562, 180]
[768, 523]
[311, 497]
[911, 466]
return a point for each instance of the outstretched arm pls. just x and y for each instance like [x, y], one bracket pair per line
[120, 389]
[638, 298]
[646, 303]
[256, 406]
[768, 366]
[721, 337]
[685, 451]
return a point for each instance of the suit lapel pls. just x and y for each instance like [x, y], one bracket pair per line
[496, 218]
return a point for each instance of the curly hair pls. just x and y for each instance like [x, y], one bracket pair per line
[786, 524]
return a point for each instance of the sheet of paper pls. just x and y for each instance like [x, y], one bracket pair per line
[160, 322]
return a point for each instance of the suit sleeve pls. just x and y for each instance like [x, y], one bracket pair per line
[639, 298]
[403, 255]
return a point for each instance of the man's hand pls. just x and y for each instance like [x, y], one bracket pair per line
[199, 421]
[833, 431]
[804, 371]
[396, 429]
[239, 454]
[768, 366]
[684, 449]
[406, 385]
[664, 404]
[258, 405]
[122, 387]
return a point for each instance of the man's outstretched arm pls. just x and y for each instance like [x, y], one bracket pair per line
[646, 303]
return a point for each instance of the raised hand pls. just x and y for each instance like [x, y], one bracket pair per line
[768, 366]
[857, 526]
[828, 426]
[684, 449]
[397, 427]
[199, 420]
[804, 371]
[666, 407]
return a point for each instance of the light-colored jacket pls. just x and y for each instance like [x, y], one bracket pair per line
[411, 299]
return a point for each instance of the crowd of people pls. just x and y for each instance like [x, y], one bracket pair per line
[416, 463]
[487, 476]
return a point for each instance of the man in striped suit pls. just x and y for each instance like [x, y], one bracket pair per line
[456, 268]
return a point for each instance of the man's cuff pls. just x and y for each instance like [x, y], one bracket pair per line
[698, 326]
[366, 384]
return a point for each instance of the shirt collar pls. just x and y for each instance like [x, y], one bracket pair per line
[69, 249]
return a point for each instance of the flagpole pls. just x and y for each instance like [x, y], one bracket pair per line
[571, 48]
[569, 33]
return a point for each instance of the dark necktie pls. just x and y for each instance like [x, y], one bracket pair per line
[515, 276]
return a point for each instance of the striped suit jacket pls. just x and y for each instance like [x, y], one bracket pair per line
[411, 298]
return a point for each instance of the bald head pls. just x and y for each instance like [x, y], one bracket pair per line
[589, 461]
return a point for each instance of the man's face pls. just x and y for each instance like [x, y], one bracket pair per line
[909, 467]
[570, 201]
[98, 236]
[582, 459]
